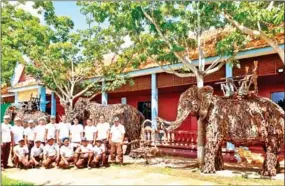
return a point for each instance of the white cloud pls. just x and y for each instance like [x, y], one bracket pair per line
[28, 7]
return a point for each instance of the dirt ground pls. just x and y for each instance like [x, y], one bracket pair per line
[130, 174]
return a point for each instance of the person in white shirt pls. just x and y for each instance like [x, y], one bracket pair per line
[51, 153]
[66, 154]
[83, 154]
[40, 130]
[117, 135]
[29, 134]
[63, 130]
[99, 155]
[76, 132]
[90, 132]
[51, 128]
[7, 140]
[103, 133]
[21, 154]
[17, 130]
[37, 153]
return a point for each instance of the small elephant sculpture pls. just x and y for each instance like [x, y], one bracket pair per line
[246, 121]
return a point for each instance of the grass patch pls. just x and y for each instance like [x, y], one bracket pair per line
[237, 180]
[8, 181]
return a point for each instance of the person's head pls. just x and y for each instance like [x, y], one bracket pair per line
[84, 142]
[6, 119]
[21, 142]
[38, 143]
[98, 143]
[52, 119]
[25, 124]
[75, 121]
[50, 141]
[42, 121]
[116, 121]
[89, 122]
[63, 118]
[31, 123]
[18, 121]
[65, 141]
[102, 118]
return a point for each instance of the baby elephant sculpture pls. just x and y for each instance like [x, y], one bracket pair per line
[244, 121]
[129, 116]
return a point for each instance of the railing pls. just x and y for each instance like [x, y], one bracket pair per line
[175, 139]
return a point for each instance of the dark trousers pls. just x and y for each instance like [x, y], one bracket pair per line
[107, 148]
[5, 152]
[30, 146]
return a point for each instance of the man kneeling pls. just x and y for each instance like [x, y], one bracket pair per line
[83, 154]
[21, 153]
[51, 153]
[99, 154]
[37, 154]
[66, 154]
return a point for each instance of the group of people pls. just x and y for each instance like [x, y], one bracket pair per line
[61, 144]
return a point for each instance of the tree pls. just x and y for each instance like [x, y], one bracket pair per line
[64, 61]
[160, 31]
[261, 19]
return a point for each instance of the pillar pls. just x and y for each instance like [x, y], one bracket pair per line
[16, 98]
[53, 104]
[104, 96]
[229, 73]
[42, 94]
[154, 101]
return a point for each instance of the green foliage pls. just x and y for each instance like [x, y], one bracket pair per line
[8, 181]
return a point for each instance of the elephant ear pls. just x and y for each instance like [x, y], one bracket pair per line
[205, 95]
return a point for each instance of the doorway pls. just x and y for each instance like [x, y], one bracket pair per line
[145, 108]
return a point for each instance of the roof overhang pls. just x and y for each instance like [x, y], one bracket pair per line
[7, 95]
[240, 55]
[18, 89]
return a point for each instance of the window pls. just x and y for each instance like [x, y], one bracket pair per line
[145, 109]
[279, 98]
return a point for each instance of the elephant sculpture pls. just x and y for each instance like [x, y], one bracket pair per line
[13, 112]
[240, 120]
[130, 117]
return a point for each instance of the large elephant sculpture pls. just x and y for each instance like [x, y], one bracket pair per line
[240, 120]
[13, 112]
[129, 116]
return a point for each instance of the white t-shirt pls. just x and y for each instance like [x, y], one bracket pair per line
[51, 129]
[63, 129]
[89, 132]
[67, 151]
[18, 132]
[117, 133]
[75, 131]
[37, 151]
[51, 150]
[6, 132]
[30, 133]
[22, 151]
[98, 150]
[102, 129]
[40, 131]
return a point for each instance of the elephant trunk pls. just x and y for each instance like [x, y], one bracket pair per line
[182, 114]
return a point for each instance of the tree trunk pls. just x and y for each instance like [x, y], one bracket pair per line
[201, 130]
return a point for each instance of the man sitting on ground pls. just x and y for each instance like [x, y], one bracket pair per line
[66, 154]
[99, 154]
[51, 153]
[37, 154]
[83, 154]
[21, 153]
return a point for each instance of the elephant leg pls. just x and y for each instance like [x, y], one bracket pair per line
[270, 161]
[219, 160]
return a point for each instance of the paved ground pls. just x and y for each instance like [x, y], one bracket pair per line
[110, 176]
